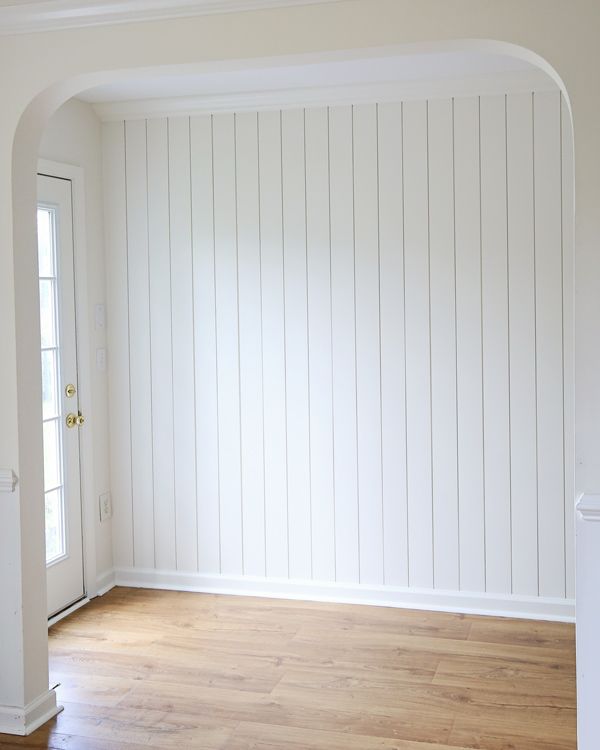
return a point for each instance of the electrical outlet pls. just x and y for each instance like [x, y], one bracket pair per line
[105, 507]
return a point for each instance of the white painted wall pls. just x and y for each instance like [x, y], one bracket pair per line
[76, 59]
[74, 136]
[338, 344]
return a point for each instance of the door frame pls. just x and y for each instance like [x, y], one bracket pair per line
[89, 506]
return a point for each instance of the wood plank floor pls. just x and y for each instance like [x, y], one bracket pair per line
[162, 669]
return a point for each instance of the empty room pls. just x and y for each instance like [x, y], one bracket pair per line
[300, 436]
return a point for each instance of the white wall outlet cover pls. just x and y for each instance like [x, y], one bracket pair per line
[105, 506]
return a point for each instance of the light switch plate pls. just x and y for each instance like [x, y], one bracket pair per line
[105, 507]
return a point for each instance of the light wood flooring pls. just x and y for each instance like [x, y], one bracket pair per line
[160, 669]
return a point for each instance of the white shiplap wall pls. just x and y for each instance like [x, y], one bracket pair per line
[340, 350]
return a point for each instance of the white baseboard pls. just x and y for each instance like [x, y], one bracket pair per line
[105, 583]
[527, 607]
[24, 721]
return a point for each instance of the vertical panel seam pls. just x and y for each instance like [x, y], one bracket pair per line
[430, 343]
[239, 362]
[482, 353]
[381, 468]
[212, 166]
[168, 186]
[510, 471]
[193, 341]
[150, 368]
[405, 368]
[172, 348]
[128, 340]
[262, 349]
[458, 504]
[537, 456]
[355, 339]
[331, 343]
[285, 373]
[310, 509]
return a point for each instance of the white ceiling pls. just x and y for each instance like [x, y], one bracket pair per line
[399, 68]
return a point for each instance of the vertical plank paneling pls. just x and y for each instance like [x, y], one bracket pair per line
[115, 206]
[139, 344]
[368, 379]
[249, 281]
[205, 347]
[568, 214]
[494, 274]
[418, 344]
[468, 344]
[549, 329]
[343, 343]
[443, 346]
[296, 338]
[161, 344]
[228, 386]
[182, 319]
[521, 292]
[393, 390]
[319, 318]
[273, 333]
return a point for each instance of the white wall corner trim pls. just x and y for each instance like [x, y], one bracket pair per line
[105, 582]
[464, 602]
[24, 721]
[502, 82]
[8, 480]
[42, 15]
[588, 507]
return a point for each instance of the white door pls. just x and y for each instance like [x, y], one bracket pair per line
[62, 418]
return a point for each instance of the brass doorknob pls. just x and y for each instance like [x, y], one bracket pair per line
[75, 420]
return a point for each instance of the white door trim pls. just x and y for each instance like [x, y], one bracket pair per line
[88, 501]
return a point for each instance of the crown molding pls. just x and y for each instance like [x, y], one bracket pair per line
[588, 507]
[8, 480]
[54, 15]
[498, 83]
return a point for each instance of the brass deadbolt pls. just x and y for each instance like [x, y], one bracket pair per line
[70, 390]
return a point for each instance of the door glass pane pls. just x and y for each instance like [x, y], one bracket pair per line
[47, 309]
[50, 402]
[45, 226]
[51, 386]
[52, 454]
[55, 528]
